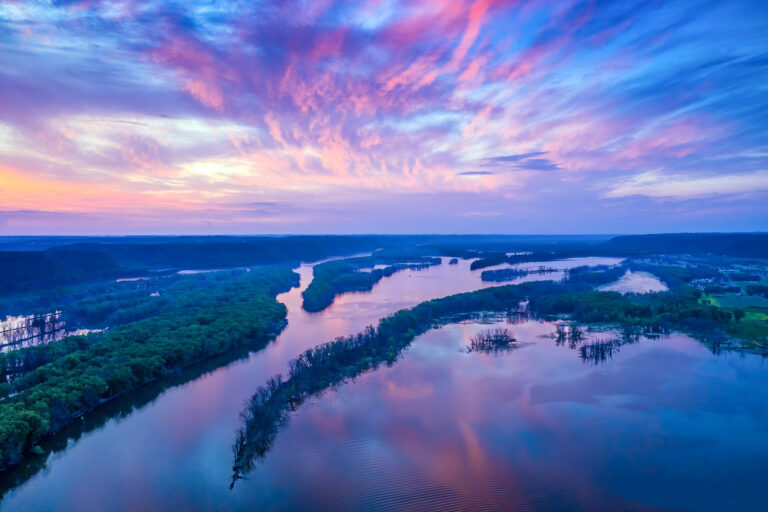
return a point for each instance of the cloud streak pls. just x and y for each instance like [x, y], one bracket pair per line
[521, 162]
[180, 106]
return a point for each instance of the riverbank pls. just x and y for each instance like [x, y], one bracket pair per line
[46, 394]
[333, 363]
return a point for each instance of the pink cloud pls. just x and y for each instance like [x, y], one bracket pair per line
[206, 93]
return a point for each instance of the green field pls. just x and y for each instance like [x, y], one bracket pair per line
[754, 326]
[732, 300]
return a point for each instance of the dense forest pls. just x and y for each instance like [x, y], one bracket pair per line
[22, 271]
[47, 386]
[747, 245]
[222, 252]
[74, 261]
[38, 263]
[97, 303]
[165, 321]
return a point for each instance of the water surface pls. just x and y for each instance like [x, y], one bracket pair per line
[636, 282]
[534, 424]
[22, 331]
[663, 425]
[559, 267]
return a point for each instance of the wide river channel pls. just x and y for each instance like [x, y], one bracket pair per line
[663, 424]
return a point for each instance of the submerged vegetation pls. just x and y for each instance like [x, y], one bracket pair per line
[596, 350]
[162, 322]
[657, 313]
[510, 274]
[491, 340]
[45, 263]
[47, 386]
[331, 364]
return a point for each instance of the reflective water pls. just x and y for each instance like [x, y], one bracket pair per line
[662, 425]
[192, 272]
[560, 267]
[29, 330]
[535, 426]
[636, 282]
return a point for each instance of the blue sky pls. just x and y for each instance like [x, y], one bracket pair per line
[120, 117]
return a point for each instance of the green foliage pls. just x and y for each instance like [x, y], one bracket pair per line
[29, 270]
[333, 363]
[233, 251]
[757, 289]
[493, 259]
[502, 274]
[676, 276]
[593, 277]
[489, 261]
[657, 312]
[54, 383]
[744, 276]
[92, 259]
[749, 245]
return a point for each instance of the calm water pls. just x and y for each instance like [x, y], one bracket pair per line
[636, 282]
[560, 267]
[24, 331]
[663, 424]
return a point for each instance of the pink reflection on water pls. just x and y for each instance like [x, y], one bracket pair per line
[531, 428]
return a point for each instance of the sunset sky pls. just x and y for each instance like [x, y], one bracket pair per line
[415, 116]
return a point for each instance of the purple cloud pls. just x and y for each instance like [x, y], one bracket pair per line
[183, 107]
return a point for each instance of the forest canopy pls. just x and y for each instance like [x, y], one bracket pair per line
[47, 386]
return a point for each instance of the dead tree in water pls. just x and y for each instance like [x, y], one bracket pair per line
[33, 329]
[572, 334]
[561, 335]
[599, 351]
[516, 317]
[576, 335]
[491, 340]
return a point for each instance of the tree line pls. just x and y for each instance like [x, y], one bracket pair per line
[52, 384]
[331, 364]
[510, 274]
[493, 259]
[333, 278]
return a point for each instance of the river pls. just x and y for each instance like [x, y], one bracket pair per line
[534, 428]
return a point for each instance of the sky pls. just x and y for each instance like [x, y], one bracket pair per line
[383, 116]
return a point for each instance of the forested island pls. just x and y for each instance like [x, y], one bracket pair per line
[356, 275]
[509, 274]
[331, 364]
[43, 263]
[47, 386]
[149, 320]
[493, 259]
